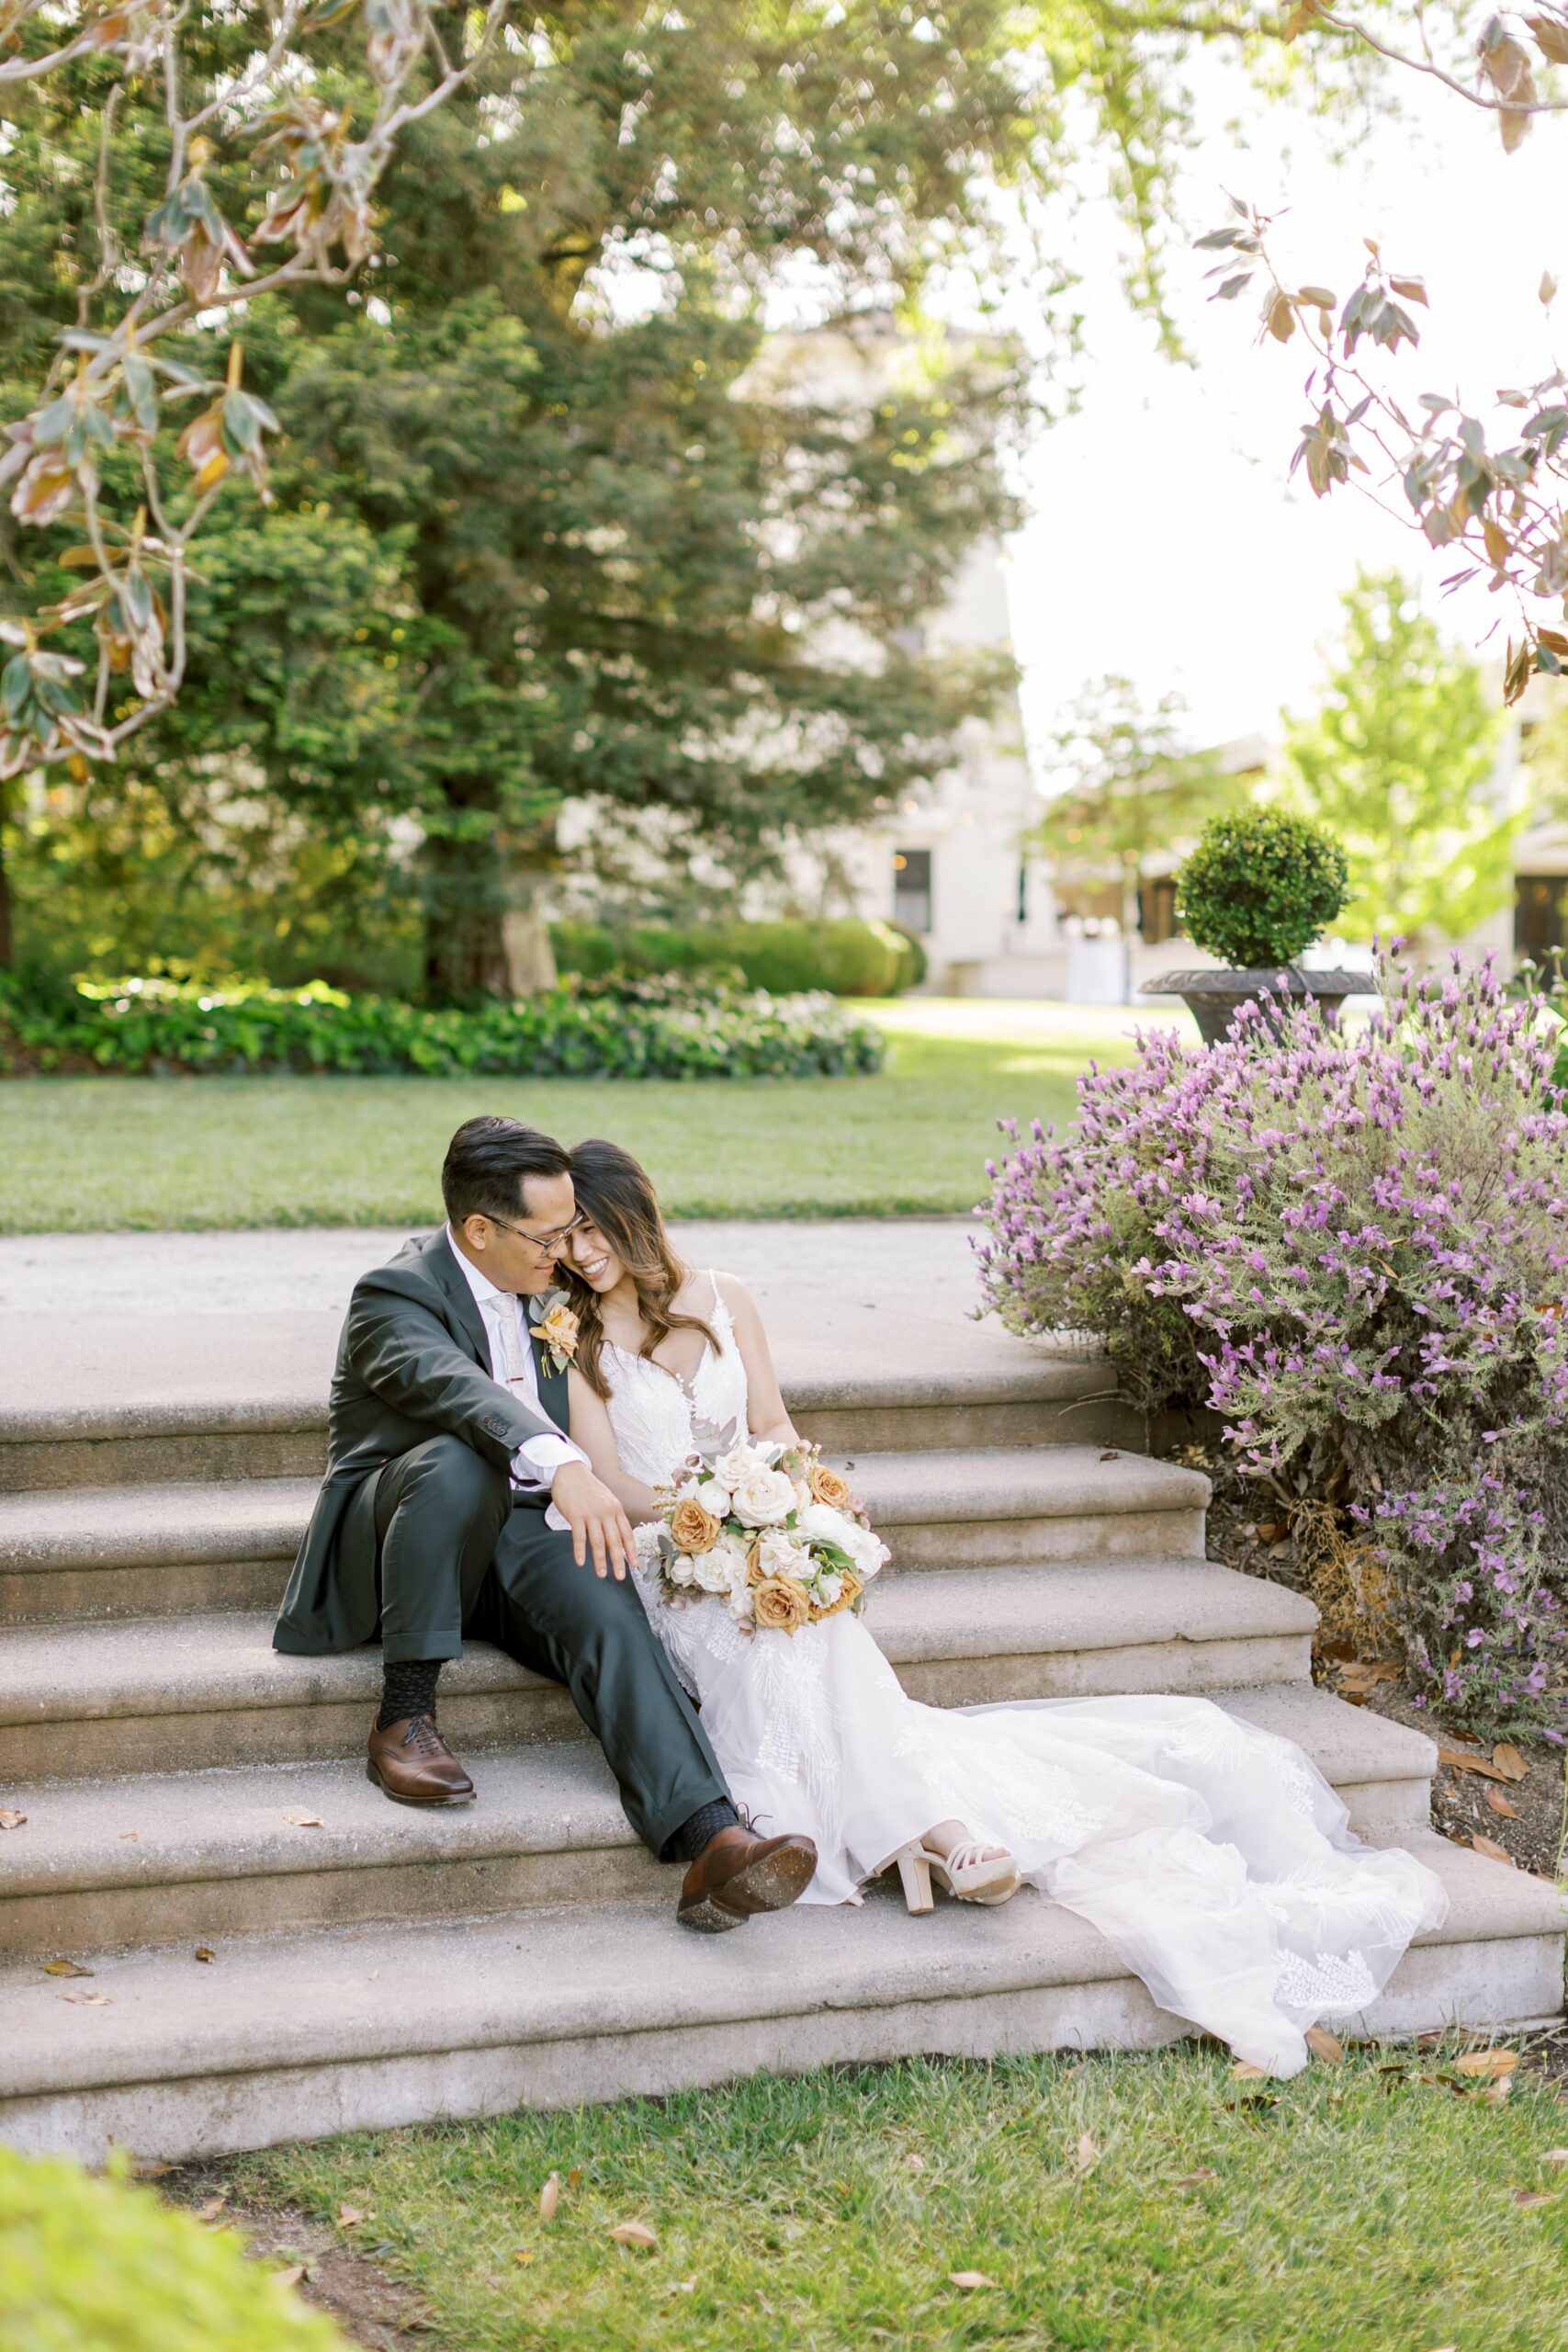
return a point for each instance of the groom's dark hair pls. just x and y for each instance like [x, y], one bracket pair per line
[488, 1163]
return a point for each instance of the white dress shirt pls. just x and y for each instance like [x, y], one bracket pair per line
[537, 1459]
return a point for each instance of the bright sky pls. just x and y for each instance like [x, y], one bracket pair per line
[1164, 541]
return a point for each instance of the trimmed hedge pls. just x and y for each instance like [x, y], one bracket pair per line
[1260, 887]
[849, 957]
[100, 2266]
[613, 1027]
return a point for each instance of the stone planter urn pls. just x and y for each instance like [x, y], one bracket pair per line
[1212, 997]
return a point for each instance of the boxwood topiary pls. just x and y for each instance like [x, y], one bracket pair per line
[1260, 887]
[102, 2266]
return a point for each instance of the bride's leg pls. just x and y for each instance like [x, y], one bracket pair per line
[949, 1834]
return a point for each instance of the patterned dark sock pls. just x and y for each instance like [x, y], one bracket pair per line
[408, 1688]
[705, 1823]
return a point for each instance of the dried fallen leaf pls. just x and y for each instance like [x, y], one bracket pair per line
[1244, 2073]
[1490, 2063]
[305, 1820]
[521, 2255]
[1555, 2156]
[1490, 1847]
[10, 1820]
[969, 2279]
[213, 2207]
[65, 1968]
[1499, 1803]
[204, 1951]
[1196, 2179]
[1509, 1762]
[349, 2217]
[291, 2277]
[1086, 2155]
[128, 1836]
[1493, 2094]
[1457, 1760]
[88, 2000]
[633, 2234]
[1530, 2197]
[574, 2177]
[1110, 1454]
[1325, 2045]
[914, 2163]
[151, 2167]
[549, 2198]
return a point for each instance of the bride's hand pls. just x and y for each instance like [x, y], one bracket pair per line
[597, 1522]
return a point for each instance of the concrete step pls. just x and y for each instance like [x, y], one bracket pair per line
[1019, 1399]
[202, 1856]
[293, 2037]
[186, 1694]
[145, 1550]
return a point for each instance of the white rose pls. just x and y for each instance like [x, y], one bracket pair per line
[779, 1555]
[739, 1603]
[715, 1570]
[731, 1467]
[681, 1570]
[763, 1498]
[819, 1523]
[714, 1496]
[868, 1552]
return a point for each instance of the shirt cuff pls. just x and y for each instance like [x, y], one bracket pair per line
[537, 1459]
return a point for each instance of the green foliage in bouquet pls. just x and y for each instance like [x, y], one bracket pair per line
[94, 2264]
[614, 1027]
[1260, 887]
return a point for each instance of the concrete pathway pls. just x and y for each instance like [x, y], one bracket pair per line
[171, 1317]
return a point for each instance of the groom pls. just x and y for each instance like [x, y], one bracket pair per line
[453, 1504]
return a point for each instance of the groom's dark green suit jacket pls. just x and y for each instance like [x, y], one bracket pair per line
[413, 1364]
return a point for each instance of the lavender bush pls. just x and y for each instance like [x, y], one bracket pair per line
[1354, 1248]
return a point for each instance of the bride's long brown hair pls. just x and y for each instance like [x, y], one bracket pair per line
[616, 1194]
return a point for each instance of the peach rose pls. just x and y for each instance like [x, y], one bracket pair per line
[779, 1606]
[693, 1528]
[827, 1487]
[557, 1331]
[847, 1596]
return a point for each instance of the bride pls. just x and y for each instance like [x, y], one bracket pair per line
[1214, 1856]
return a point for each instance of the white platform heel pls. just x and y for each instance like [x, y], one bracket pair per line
[968, 1872]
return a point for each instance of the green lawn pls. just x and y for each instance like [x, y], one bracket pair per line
[83, 1154]
[1359, 2208]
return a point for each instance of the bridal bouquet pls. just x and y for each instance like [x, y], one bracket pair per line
[768, 1530]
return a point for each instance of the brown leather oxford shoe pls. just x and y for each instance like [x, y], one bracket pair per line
[736, 1875]
[411, 1763]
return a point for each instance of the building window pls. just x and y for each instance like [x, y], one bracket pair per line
[912, 889]
[1541, 915]
[1156, 911]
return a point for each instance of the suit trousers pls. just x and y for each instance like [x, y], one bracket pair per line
[457, 1554]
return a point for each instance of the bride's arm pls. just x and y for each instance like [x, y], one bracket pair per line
[766, 1409]
[590, 1428]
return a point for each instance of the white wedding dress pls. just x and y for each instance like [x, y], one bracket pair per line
[1214, 1856]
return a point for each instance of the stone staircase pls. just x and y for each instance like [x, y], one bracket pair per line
[186, 1788]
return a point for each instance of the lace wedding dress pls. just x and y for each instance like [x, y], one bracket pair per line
[1214, 1856]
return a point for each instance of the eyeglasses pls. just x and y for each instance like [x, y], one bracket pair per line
[540, 1241]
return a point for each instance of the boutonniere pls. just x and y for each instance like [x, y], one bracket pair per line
[553, 1324]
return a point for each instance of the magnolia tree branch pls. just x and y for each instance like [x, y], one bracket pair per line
[110, 390]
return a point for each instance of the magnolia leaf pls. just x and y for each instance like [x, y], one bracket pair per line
[1244, 2072]
[1509, 1762]
[1325, 2045]
[1499, 1803]
[549, 2198]
[65, 1968]
[10, 1820]
[969, 2279]
[1492, 1851]
[88, 2000]
[1457, 1760]
[204, 1951]
[634, 2233]
[349, 2217]
[1493, 2094]
[291, 2277]
[1491, 2065]
[213, 2207]
[1086, 2155]
[305, 1820]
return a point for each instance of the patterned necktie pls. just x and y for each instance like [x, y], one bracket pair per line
[514, 1353]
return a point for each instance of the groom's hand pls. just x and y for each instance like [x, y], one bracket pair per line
[598, 1523]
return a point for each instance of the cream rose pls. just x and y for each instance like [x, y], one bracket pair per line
[763, 1498]
[715, 1497]
[776, 1553]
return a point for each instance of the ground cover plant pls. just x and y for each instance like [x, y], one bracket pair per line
[1150, 2203]
[618, 1025]
[90, 1153]
[1352, 1247]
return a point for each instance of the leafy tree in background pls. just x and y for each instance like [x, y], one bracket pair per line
[1132, 786]
[1396, 763]
[617, 553]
